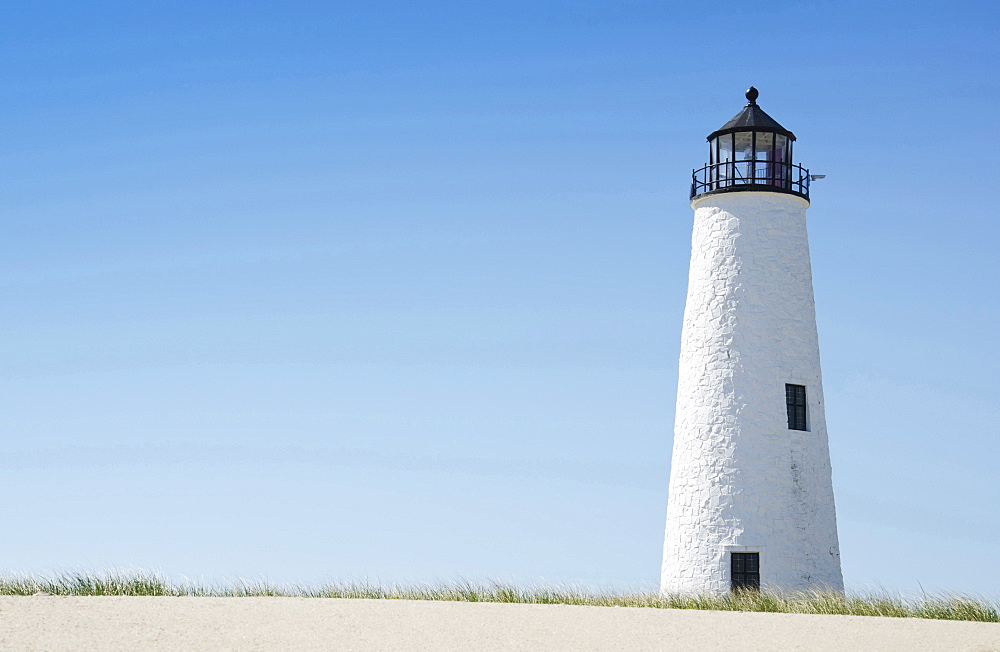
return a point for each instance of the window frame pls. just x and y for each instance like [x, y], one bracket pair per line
[797, 407]
[744, 571]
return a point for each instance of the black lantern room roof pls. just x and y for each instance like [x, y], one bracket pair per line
[751, 118]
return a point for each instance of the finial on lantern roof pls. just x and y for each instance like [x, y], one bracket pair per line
[752, 95]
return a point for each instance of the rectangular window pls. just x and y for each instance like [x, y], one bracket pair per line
[795, 400]
[746, 571]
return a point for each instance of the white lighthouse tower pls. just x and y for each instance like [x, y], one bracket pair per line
[751, 496]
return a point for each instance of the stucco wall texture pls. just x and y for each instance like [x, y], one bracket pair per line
[740, 479]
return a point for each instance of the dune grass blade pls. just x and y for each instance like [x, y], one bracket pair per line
[143, 583]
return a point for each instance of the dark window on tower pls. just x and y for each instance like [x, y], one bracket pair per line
[746, 571]
[795, 400]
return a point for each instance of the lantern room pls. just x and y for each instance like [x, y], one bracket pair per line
[751, 152]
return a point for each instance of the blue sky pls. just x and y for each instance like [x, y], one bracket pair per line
[315, 291]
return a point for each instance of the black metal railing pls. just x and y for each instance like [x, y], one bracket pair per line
[771, 176]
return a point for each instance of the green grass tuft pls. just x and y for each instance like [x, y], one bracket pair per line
[881, 603]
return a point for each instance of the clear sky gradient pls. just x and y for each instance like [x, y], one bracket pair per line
[393, 290]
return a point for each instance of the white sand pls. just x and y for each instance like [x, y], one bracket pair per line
[55, 623]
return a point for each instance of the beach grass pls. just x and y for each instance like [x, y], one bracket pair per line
[939, 606]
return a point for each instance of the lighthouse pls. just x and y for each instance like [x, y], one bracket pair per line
[751, 496]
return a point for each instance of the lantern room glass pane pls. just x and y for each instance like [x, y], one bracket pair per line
[782, 159]
[725, 148]
[743, 145]
[763, 169]
[780, 147]
[765, 146]
[722, 148]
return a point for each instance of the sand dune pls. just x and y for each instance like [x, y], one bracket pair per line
[152, 623]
